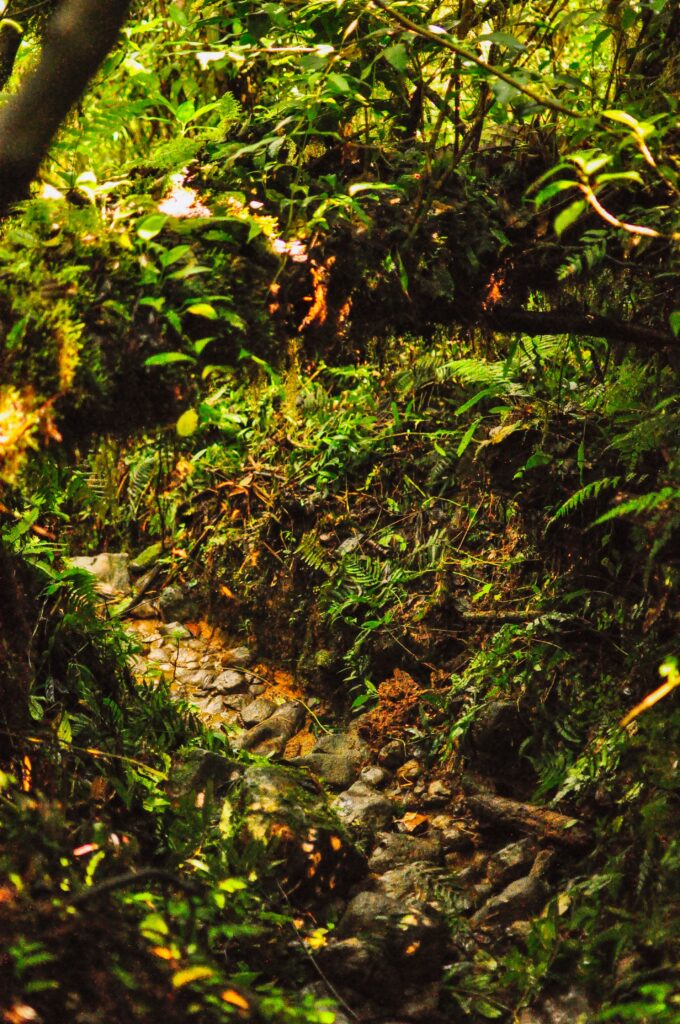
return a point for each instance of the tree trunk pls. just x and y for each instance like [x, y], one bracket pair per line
[77, 39]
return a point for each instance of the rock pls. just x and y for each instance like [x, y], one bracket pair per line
[497, 733]
[410, 771]
[455, 836]
[228, 682]
[237, 657]
[271, 736]
[236, 701]
[373, 775]
[176, 631]
[112, 578]
[208, 705]
[365, 807]
[571, 1007]
[177, 603]
[192, 769]
[337, 758]
[256, 689]
[394, 849]
[201, 679]
[146, 558]
[521, 899]
[393, 754]
[511, 862]
[145, 610]
[288, 813]
[257, 711]
[438, 794]
[411, 938]
[408, 880]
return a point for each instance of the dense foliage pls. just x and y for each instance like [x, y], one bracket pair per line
[364, 314]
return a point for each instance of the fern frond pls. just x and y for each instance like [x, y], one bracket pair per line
[312, 554]
[640, 505]
[576, 500]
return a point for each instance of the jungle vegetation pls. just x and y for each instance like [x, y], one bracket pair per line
[364, 315]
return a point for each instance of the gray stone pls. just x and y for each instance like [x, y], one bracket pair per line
[410, 936]
[230, 681]
[111, 572]
[394, 849]
[271, 736]
[438, 794]
[257, 711]
[237, 657]
[393, 754]
[337, 758]
[177, 603]
[175, 631]
[145, 610]
[521, 899]
[511, 862]
[409, 880]
[208, 705]
[365, 807]
[373, 775]
[571, 1007]
[497, 733]
[256, 689]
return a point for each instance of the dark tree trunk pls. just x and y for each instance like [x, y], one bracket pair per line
[77, 39]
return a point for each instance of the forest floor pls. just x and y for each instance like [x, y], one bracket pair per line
[347, 743]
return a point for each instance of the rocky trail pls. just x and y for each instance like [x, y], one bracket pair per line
[408, 874]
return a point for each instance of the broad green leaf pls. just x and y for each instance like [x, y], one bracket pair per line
[553, 189]
[64, 732]
[171, 256]
[503, 39]
[396, 56]
[164, 358]
[568, 216]
[674, 321]
[187, 424]
[203, 309]
[339, 82]
[185, 112]
[152, 226]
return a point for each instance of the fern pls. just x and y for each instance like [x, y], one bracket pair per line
[312, 554]
[641, 504]
[578, 499]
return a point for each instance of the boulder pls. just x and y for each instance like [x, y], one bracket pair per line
[337, 758]
[178, 604]
[229, 682]
[511, 862]
[111, 573]
[271, 736]
[290, 815]
[395, 849]
[237, 657]
[523, 898]
[364, 807]
[385, 945]
[497, 734]
[257, 711]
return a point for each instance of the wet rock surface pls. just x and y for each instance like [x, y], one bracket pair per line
[369, 837]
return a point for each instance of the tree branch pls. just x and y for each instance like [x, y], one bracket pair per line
[588, 324]
[78, 38]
